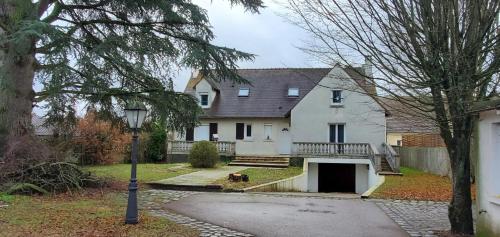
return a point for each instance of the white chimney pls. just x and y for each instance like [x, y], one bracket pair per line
[368, 67]
[195, 73]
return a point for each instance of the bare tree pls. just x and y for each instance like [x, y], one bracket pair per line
[436, 56]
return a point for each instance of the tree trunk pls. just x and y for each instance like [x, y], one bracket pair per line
[16, 95]
[460, 209]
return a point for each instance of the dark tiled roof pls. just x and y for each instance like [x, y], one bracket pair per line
[39, 127]
[486, 105]
[403, 120]
[268, 96]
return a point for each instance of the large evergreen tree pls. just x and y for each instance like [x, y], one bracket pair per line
[103, 52]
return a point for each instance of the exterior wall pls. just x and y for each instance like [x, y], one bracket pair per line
[488, 190]
[257, 144]
[204, 87]
[363, 117]
[366, 177]
[393, 138]
[423, 140]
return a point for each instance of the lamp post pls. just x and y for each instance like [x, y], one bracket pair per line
[136, 113]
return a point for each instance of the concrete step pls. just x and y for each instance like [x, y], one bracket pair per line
[262, 157]
[389, 173]
[262, 161]
[270, 165]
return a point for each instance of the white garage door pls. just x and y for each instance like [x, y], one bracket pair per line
[202, 133]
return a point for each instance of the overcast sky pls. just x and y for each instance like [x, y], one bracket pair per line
[266, 35]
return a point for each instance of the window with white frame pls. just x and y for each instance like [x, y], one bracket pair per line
[268, 131]
[244, 92]
[293, 92]
[204, 100]
[248, 131]
[337, 133]
[336, 98]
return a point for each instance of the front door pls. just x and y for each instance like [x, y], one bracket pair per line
[285, 142]
[202, 133]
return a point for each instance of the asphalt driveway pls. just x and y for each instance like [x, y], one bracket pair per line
[263, 215]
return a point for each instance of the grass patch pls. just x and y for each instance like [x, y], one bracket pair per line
[416, 185]
[260, 176]
[145, 172]
[77, 215]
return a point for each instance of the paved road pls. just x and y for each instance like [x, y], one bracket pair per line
[263, 215]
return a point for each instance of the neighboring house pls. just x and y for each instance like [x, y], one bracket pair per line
[327, 115]
[40, 129]
[488, 162]
[409, 130]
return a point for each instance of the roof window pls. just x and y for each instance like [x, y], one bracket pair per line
[244, 92]
[293, 92]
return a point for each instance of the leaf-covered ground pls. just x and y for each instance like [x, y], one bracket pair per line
[260, 176]
[88, 213]
[145, 172]
[416, 185]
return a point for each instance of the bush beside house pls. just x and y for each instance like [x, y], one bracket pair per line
[204, 154]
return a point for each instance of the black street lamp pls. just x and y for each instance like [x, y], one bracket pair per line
[136, 113]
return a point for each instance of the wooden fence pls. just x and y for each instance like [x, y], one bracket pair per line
[434, 160]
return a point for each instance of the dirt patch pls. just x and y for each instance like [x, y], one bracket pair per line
[447, 233]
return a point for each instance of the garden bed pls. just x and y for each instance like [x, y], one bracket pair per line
[416, 185]
[87, 213]
[145, 172]
[259, 176]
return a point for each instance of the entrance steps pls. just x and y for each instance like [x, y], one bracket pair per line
[261, 161]
[386, 168]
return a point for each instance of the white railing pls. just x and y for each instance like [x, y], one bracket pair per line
[183, 147]
[338, 150]
[331, 149]
[392, 157]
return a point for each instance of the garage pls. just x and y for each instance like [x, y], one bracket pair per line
[334, 177]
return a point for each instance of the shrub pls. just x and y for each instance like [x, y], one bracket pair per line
[99, 141]
[203, 155]
[156, 143]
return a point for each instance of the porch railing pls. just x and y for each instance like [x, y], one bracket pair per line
[392, 157]
[183, 147]
[333, 150]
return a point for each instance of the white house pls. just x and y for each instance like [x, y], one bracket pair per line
[488, 162]
[329, 116]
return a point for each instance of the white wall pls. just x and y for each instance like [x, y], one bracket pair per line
[204, 87]
[366, 176]
[393, 138]
[361, 178]
[363, 117]
[488, 178]
[257, 144]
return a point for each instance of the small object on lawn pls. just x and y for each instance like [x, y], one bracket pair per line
[244, 178]
[234, 177]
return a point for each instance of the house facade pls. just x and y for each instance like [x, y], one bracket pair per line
[328, 116]
[487, 141]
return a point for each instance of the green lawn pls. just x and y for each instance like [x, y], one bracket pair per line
[90, 214]
[260, 176]
[145, 172]
[415, 185]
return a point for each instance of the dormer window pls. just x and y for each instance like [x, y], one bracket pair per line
[204, 100]
[243, 92]
[293, 92]
[336, 98]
